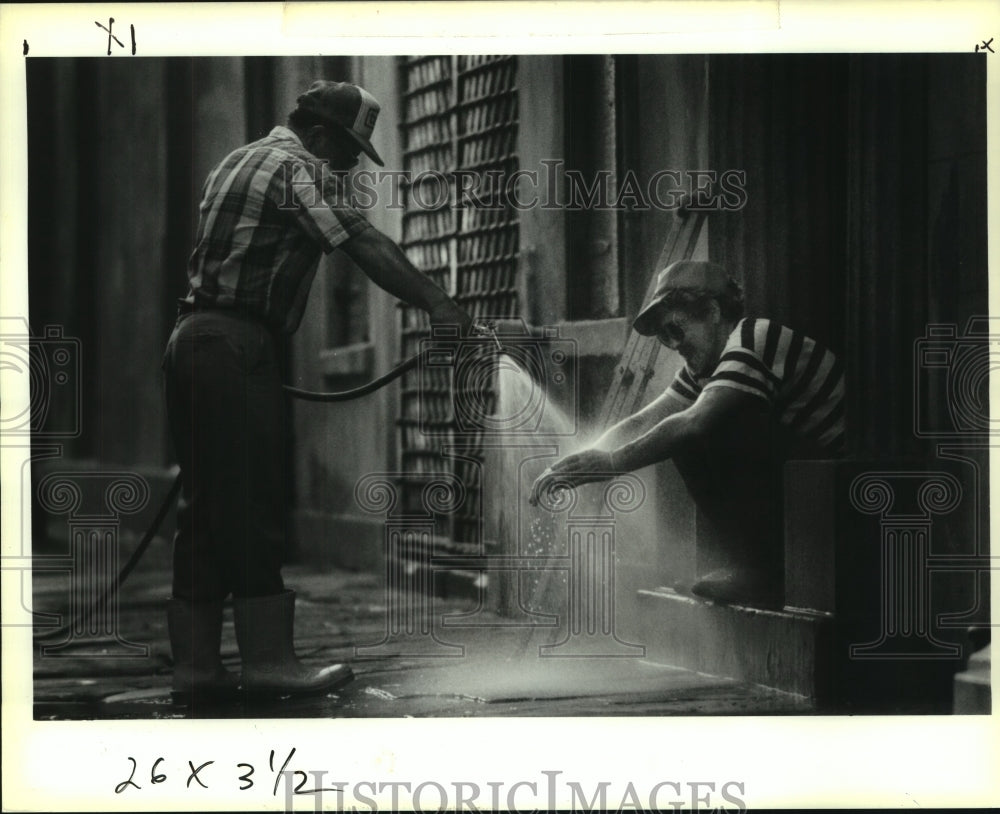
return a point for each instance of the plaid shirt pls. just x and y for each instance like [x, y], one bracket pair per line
[267, 212]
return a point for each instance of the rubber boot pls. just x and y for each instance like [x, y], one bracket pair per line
[264, 632]
[195, 638]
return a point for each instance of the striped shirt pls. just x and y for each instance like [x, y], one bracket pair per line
[801, 380]
[268, 211]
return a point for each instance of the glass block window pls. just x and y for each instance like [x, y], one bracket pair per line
[460, 121]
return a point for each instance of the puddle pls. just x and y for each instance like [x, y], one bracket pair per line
[154, 695]
[378, 692]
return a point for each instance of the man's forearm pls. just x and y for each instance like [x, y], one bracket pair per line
[631, 427]
[663, 441]
[620, 434]
[384, 263]
[714, 408]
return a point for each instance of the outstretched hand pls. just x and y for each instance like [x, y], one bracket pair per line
[589, 466]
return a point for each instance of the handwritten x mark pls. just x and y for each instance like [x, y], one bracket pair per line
[111, 22]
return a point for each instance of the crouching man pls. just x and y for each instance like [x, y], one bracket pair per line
[752, 394]
[268, 212]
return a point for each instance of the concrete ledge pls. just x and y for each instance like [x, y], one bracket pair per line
[972, 686]
[785, 650]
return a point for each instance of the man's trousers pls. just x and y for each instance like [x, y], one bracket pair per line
[227, 416]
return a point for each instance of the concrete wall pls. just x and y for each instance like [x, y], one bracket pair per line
[97, 245]
[542, 271]
[337, 444]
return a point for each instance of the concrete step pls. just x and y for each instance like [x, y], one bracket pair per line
[972, 686]
[786, 650]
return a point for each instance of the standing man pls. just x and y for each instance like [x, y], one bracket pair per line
[751, 395]
[268, 211]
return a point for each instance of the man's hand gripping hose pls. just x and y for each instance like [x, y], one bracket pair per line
[484, 329]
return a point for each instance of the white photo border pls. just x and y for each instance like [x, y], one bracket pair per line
[886, 761]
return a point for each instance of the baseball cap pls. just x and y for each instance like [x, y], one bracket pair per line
[689, 275]
[350, 106]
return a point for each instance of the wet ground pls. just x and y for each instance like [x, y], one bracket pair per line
[467, 663]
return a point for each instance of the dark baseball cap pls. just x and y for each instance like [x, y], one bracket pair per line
[684, 275]
[350, 106]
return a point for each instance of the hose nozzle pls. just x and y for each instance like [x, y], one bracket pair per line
[488, 328]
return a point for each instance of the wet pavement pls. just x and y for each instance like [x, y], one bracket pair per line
[469, 663]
